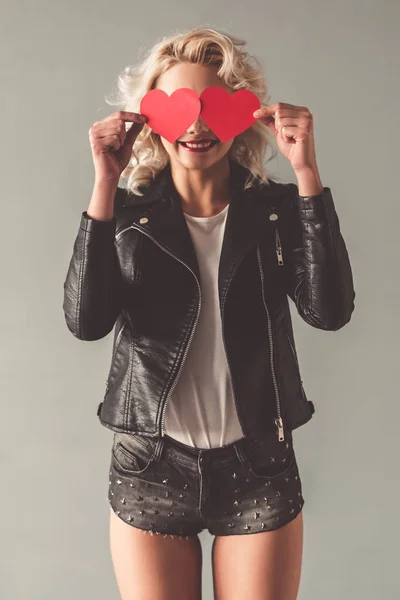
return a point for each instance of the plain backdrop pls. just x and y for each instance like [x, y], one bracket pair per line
[58, 61]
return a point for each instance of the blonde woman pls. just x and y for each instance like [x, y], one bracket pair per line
[193, 263]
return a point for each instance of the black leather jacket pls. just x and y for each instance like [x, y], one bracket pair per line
[139, 272]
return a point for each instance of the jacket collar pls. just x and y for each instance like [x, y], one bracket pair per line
[247, 221]
[162, 185]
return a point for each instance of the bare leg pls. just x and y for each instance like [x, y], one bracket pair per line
[153, 567]
[260, 566]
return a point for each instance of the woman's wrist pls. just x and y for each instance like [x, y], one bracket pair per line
[309, 182]
[101, 206]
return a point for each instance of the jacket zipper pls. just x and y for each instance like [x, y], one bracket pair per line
[278, 247]
[193, 328]
[278, 420]
[171, 389]
[226, 354]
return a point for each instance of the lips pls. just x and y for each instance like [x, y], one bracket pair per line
[198, 144]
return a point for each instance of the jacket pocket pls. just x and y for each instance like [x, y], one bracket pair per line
[297, 364]
[115, 350]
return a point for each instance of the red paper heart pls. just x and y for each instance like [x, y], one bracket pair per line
[227, 114]
[170, 116]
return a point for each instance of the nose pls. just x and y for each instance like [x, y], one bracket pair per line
[199, 126]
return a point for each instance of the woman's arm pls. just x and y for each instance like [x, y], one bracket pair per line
[93, 288]
[317, 271]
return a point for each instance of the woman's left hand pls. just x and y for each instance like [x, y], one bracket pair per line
[294, 131]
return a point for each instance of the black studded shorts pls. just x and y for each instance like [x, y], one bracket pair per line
[163, 486]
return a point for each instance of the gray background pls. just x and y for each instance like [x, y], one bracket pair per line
[58, 61]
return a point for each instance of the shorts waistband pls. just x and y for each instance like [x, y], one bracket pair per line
[218, 452]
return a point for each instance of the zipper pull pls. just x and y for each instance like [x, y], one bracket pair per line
[278, 248]
[279, 424]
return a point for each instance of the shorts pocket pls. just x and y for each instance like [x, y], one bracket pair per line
[270, 458]
[132, 454]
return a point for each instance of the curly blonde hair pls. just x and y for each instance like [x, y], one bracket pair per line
[235, 68]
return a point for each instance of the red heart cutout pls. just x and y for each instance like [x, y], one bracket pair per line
[170, 116]
[228, 114]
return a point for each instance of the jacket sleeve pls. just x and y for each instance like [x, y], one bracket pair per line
[93, 287]
[317, 271]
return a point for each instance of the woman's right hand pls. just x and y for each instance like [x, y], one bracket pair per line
[112, 144]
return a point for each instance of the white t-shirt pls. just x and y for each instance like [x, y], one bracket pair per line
[201, 411]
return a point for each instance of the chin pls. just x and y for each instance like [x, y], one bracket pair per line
[199, 162]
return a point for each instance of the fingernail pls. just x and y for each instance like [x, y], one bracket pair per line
[257, 113]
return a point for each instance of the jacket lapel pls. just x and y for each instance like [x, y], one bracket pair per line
[247, 220]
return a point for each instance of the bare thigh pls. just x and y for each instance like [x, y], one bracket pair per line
[260, 566]
[153, 567]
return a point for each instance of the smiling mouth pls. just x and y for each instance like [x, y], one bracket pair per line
[202, 146]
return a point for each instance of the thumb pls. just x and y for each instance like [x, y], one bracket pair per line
[270, 123]
[133, 132]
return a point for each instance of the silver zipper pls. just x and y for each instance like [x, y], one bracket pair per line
[278, 420]
[226, 354]
[115, 351]
[118, 235]
[194, 326]
[182, 363]
[278, 247]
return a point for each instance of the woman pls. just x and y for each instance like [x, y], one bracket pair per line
[193, 263]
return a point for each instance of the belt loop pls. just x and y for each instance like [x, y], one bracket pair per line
[158, 449]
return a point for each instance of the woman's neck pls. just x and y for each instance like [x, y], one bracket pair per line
[203, 192]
